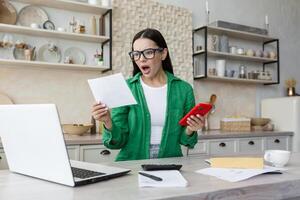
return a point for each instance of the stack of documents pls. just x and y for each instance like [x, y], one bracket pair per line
[237, 162]
[235, 169]
[235, 175]
[170, 178]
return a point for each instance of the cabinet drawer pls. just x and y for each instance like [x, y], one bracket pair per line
[199, 148]
[222, 147]
[73, 152]
[97, 154]
[277, 143]
[251, 145]
[3, 161]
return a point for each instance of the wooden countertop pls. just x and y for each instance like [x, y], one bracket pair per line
[89, 139]
[268, 186]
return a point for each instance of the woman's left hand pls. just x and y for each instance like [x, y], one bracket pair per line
[194, 123]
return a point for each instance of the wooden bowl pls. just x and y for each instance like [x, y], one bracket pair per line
[259, 121]
[76, 129]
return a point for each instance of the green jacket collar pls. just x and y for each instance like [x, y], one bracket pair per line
[170, 77]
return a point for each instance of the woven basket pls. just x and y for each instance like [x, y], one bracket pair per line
[235, 124]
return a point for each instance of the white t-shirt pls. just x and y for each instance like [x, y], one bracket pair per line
[156, 98]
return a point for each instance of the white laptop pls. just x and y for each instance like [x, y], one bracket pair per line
[34, 146]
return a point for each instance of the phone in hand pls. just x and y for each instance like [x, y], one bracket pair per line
[200, 109]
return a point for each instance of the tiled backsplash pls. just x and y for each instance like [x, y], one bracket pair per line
[232, 99]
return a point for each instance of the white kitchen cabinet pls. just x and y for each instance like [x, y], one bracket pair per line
[3, 162]
[240, 146]
[251, 145]
[97, 154]
[74, 152]
[282, 143]
[222, 147]
[199, 148]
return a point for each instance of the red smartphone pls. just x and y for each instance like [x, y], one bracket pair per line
[200, 109]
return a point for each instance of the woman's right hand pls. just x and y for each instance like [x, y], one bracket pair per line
[101, 113]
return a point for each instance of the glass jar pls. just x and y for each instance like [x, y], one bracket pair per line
[242, 71]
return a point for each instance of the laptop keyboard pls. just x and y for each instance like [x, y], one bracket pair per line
[84, 173]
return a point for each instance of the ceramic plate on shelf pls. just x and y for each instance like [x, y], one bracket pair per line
[8, 13]
[18, 54]
[46, 55]
[32, 14]
[77, 55]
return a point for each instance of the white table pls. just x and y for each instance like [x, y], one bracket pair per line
[273, 186]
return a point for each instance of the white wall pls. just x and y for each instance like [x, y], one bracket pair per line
[284, 22]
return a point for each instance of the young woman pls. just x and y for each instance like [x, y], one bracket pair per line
[150, 129]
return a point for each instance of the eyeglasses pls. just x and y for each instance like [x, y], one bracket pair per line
[147, 53]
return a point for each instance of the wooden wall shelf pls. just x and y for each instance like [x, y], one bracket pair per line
[39, 64]
[68, 5]
[55, 34]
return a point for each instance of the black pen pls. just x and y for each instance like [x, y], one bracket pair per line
[156, 178]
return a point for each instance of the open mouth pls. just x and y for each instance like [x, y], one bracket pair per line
[145, 69]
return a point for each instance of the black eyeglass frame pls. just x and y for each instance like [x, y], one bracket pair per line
[159, 49]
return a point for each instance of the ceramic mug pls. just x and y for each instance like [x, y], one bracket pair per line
[258, 53]
[240, 51]
[212, 71]
[278, 158]
[229, 73]
[265, 54]
[233, 49]
[250, 52]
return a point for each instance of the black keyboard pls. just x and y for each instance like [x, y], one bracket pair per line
[84, 173]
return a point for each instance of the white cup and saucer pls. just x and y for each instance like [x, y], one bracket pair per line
[277, 158]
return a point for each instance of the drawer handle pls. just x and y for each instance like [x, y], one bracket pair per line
[222, 144]
[277, 141]
[251, 143]
[105, 152]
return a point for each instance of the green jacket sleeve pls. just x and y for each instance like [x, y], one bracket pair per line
[117, 137]
[189, 140]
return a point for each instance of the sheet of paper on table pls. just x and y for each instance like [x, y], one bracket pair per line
[170, 178]
[235, 175]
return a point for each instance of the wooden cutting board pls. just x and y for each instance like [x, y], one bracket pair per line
[4, 99]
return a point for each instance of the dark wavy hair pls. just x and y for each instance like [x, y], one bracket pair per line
[156, 37]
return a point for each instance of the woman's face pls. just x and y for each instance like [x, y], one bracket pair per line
[152, 65]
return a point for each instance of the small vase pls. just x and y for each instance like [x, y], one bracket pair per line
[291, 91]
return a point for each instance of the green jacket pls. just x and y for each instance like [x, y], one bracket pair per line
[131, 124]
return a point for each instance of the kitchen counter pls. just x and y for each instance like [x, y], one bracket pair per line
[217, 134]
[214, 134]
[84, 139]
[268, 186]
